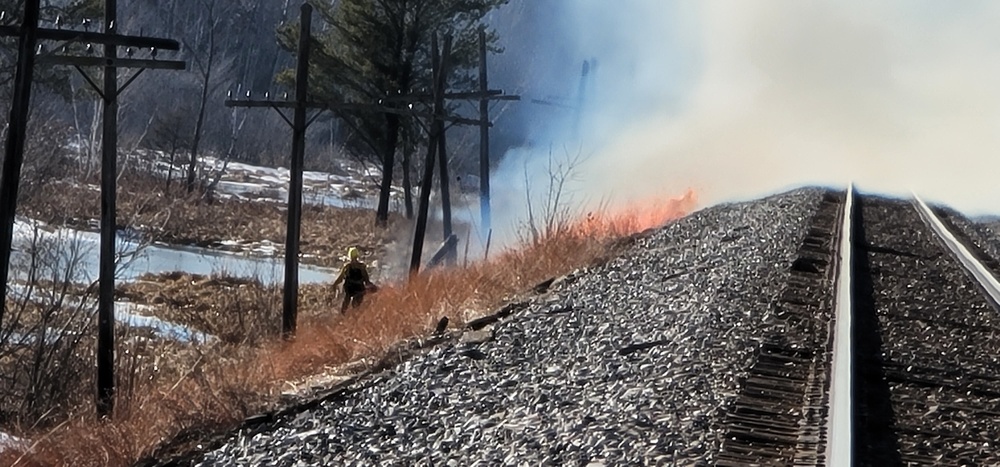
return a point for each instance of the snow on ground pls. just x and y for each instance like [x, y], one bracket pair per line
[8, 441]
[352, 186]
[131, 313]
[139, 259]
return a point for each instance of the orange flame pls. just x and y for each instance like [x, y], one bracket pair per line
[637, 216]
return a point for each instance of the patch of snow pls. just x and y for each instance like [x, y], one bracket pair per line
[9, 441]
[155, 258]
[320, 188]
[126, 312]
[273, 180]
[316, 176]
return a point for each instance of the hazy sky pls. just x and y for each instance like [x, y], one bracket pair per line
[738, 99]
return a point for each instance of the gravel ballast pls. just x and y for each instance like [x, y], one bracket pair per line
[630, 362]
[935, 341]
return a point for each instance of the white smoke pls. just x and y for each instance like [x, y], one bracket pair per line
[740, 99]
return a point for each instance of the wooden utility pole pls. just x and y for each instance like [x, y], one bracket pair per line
[586, 73]
[299, 124]
[437, 138]
[109, 172]
[442, 141]
[109, 92]
[14, 151]
[484, 140]
[484, 95]
[581, 97]
[440, 65]
[290, 299]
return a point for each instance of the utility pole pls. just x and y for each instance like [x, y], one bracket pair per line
[440, 64]
[437, 138]
[109, 171]
[586, 74]
[581, 97]
[484, 140]
[109, 93]
[299, 123]
[442, 141]
[14, 151]
[290, 298]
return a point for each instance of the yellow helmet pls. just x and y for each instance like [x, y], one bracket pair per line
[353, 253]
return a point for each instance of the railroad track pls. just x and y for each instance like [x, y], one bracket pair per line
[882, 349]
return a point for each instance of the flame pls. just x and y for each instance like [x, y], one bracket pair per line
[637, 215]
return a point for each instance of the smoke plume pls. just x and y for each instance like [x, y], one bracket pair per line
[741, 99]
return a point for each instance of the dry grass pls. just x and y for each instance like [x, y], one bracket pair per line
[179, 218]
[232, 309]
[237, 311]
[219, 392]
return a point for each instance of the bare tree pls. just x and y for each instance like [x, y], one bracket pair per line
[171, 135]
[558, 206]
[204, 58]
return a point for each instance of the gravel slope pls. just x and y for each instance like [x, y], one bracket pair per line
[936, 348]
[631, 362]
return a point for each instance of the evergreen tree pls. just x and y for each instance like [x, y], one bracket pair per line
[66, 14]
[371, 49]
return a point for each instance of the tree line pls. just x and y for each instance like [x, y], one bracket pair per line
[365, 50]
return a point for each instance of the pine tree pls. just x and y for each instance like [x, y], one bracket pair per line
[69, 13]
[376, 48]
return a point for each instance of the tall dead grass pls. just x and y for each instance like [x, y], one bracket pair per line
[220, 392]
[173, 216]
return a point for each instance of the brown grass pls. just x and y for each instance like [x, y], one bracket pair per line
[233, 309]
[236, 310]
[179, 218]
[220, 393]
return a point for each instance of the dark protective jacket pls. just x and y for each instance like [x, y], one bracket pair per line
[354, 275]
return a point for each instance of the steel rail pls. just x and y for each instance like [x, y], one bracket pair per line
[840, 430]
[983, 276]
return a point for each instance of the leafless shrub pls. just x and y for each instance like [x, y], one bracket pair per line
[46, 340]
[553, 213]
[45, 160]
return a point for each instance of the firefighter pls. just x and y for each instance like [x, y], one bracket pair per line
[354, 275]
